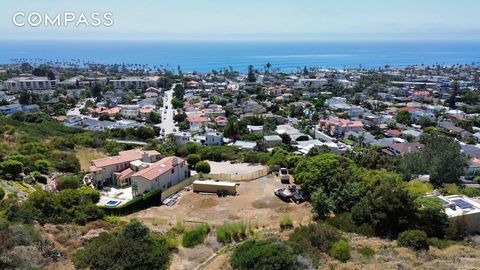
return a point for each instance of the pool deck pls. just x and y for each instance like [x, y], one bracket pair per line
[115, 194]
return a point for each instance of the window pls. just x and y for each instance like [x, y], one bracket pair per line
[173, 171]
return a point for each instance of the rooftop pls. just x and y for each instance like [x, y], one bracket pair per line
[158, 168]
[459, 205]
[214, 183]
[123, 156]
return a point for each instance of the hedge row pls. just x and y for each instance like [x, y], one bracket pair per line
[152, 198]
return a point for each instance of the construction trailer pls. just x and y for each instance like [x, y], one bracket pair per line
[211, 186]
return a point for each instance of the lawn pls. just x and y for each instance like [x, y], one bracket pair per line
[85, 155]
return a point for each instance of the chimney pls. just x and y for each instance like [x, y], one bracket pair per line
[145, 157]
[174, 161]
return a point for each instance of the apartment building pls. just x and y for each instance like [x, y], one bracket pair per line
[30, 83]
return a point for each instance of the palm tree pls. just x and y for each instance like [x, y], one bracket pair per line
[267, 67]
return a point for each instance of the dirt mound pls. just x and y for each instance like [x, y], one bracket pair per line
[206, 203]
[272, 203]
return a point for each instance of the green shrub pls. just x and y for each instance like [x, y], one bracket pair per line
[11, 168]
[202, 167]
[2, 193]
[315, 237]
[43, 166]
[40, 177]
[439, 243]
[470, 191]
[89, 194]
[193, 159]
[195, 236]
[449, 189]
[413, 239]
[345, 223]
[256, 157]
[286, 223]
[114, 220]
[367, 251]
[229, 232]
[341, 251]
[342, 222]
[365, 229]
[417, 187]
[172, 239]
[263, 254]
[44, 207]
[109, 250]
[69, 181]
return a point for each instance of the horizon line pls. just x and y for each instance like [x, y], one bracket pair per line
[247, 40]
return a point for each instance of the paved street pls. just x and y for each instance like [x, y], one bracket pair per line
[167, 113]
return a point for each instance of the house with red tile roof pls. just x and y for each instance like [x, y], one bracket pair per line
[112, 170]
[196, 122]
[393, 133]
[144, 112]
[339, 126]
[163, 174]
[221, 121]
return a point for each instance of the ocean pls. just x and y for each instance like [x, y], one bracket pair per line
[203, 56]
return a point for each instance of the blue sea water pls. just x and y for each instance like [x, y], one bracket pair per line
[205, 56]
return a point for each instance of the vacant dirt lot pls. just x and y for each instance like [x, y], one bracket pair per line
[228, 168]
[254, 203]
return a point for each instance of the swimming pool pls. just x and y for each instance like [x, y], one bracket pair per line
[112, 203]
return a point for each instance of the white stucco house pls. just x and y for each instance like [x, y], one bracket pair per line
[163, 174]
[213, 138]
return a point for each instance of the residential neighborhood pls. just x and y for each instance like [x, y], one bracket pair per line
[261, 146]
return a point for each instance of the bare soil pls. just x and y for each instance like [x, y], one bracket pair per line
[255, 203]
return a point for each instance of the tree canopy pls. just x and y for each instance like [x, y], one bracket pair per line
[132, 247]
[441, 158]
[263, 254]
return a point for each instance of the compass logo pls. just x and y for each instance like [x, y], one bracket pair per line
[65, 19]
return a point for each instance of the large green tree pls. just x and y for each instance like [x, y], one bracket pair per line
[332, 180]
[441, 158]
[328, 171]
[179, 92]
[404, 117]
[387, 207]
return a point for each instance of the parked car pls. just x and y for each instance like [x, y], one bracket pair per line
[299, 196]
[284, 175]
[283, 194]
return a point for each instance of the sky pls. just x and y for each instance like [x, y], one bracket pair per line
[287, 20]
